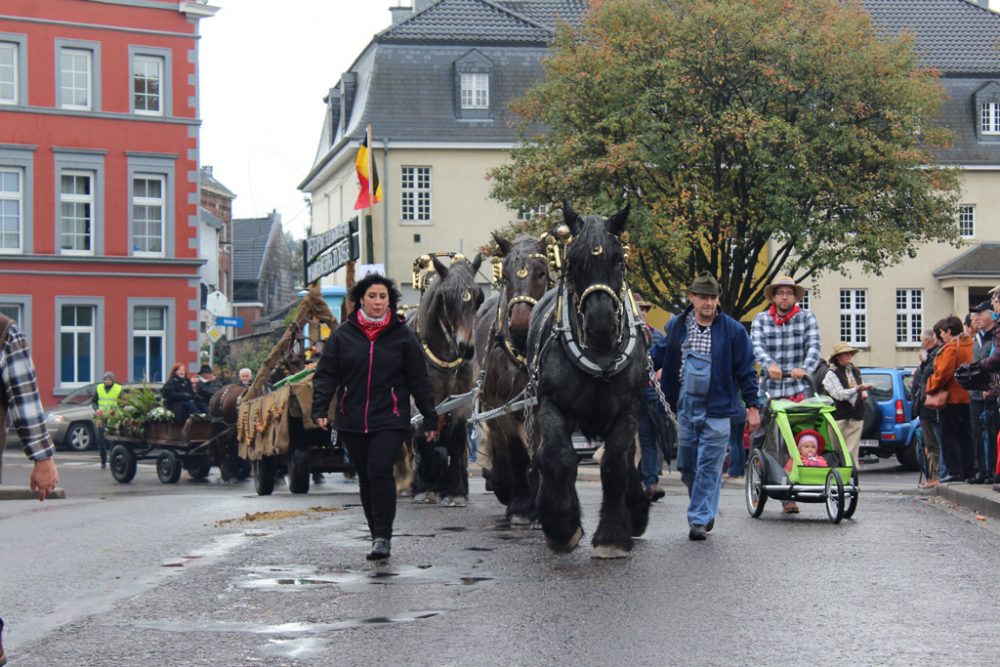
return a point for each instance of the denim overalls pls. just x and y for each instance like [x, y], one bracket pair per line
[702, 440]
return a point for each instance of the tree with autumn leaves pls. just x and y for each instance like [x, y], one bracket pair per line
[753, 137]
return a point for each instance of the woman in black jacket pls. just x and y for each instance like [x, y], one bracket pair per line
[178, 394]
[373, 363]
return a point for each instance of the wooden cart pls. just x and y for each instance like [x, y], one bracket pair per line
[277, 436]
[175, 447]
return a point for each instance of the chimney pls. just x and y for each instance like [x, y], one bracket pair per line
[333, 112]
[348, 86]
[400, 14]
[421, 5]
[207, 169]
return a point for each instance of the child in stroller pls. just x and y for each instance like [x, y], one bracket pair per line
[810, 444]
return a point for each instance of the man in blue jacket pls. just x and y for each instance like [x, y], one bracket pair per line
[707, 361]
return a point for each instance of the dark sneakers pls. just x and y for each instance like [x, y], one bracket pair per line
[380, 549]
[710, 525]
[697, 532]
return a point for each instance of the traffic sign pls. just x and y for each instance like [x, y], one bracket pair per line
[229, 322]
[217, 303]
[214, 334]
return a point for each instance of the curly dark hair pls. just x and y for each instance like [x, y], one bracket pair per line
[362, 286]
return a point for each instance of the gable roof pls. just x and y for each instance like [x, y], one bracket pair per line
[486, 21]
[250, 237]
[209, 182]
[954, 36]
[980, 260]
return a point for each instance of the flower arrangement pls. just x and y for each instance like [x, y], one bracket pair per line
[136, 408]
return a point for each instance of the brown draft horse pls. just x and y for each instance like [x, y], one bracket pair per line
[501, 348]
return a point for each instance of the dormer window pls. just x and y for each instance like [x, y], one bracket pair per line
[475, 90]
[989, 117]
[473, 77]
[986, 103]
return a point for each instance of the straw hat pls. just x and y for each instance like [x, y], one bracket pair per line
[839, 348]
[784, 281]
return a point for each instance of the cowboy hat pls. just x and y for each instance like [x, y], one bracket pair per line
[784, 281]
[839, 348]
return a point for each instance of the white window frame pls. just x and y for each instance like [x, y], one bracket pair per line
[149, 334]
[529, 214]
[148, 202]
[967, 221]
[854, 316]
[909, 316]
[18, 198]
[66, 83]
[415, 195]
[74, 198]
[13, 72]
[139, 62]
[76, 330]
[15, 311]
[989, 118]
[475, 93]
[805, 302]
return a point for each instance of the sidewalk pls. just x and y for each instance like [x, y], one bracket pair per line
[12, 492]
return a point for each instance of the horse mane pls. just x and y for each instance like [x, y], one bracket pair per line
[592, 233]
[449, 288]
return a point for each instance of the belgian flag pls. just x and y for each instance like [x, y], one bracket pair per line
[371, 189]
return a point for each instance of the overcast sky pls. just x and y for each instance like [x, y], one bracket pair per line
[265, 68]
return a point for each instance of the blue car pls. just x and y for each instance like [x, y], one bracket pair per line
[890, 426]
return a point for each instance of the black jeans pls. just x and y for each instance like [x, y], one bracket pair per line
[956, 441]
[374, 455]
[977, 433]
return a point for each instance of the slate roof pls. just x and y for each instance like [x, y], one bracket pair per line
[486, 21]
[980, 260]
[954, 36]
[250, 236]
[210, 182]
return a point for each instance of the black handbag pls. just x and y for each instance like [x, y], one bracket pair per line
[972, 377]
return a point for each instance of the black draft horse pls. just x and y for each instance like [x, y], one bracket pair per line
[587, 343]
[444, 325]
[501, 350]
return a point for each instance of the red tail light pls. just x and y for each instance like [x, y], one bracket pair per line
[900, 415]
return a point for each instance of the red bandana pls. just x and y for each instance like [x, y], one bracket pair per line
[773, 312]
[373, 328]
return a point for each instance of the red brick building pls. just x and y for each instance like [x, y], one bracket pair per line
[99, 185]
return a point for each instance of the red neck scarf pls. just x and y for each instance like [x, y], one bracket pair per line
[773, 312]
[373, 328]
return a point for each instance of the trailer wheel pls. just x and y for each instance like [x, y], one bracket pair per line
[243, 469]
[168, 467]
[199, 468]
[298, 470]
[123, 464]
[263, 475]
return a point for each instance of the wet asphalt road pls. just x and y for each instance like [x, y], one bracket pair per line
[168, 575]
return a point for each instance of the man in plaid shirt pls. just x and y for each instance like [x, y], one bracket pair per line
[19, 399]
[786, 341]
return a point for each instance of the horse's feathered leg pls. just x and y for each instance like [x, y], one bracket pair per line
[613, 537]
[558, 505]
[455, 480]
[522, 505]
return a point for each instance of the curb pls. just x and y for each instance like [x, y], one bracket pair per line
[983, 498]
[11, 492]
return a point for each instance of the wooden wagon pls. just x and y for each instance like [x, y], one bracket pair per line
[175, 447]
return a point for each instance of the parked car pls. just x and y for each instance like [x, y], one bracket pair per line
[71, 422]
[890, 426]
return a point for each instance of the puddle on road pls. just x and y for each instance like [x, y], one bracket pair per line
[301, 578]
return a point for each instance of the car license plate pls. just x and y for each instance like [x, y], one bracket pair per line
[869, 443]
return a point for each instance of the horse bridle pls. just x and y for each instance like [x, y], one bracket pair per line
[503, 310]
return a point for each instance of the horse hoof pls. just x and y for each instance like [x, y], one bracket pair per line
[570, 544]
[608, 551]
[424, 498]
[454, 501]
[520, 521]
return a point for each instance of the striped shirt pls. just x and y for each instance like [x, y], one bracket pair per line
[794, 344]
[24, 406]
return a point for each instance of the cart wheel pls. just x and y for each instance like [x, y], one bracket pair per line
[199, 469]
[755, 493]
[298, 470]
[263, 476]
[834, 496]
[243, 469]
[168, 467]
[123, 464]
[852, 504]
